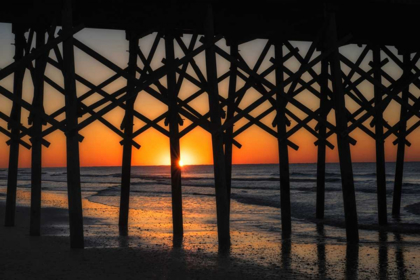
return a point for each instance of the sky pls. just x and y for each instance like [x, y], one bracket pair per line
[101, 146]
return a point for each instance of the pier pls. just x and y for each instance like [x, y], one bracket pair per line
[45, 36]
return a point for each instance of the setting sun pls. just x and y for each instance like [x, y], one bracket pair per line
[181, 163]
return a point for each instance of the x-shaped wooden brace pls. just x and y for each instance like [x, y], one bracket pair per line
[291, 92]
[139, 86]
[329, 105]
[202, 83]
[188, 111]
[9, 134]
[410, 96]
[358, 97]
[85, 108]
[180, 102]
[273, 89]
[24, 62]
[391, 92]
[106, 97]
[57, 113]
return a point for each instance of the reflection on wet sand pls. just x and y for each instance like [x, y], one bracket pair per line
[178, 255]
[352, 262]
[177, 241]
[313, 251]
[383, 254]
[321, 251]
[286, 254]
[399, 256]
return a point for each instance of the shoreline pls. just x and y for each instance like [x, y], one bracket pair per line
[147, 251]
[50, 256]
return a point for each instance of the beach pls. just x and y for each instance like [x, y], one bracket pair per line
[314, 250]
[144, 254]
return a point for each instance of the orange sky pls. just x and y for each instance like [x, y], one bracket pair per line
[101, 146]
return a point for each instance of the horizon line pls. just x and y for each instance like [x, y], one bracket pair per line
[164, 165]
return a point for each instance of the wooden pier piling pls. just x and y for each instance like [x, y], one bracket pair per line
[346, 168]
[175, 149]
[234, 51]
[399, 169]
[73, 161]
[12, 174]
[222, 203]
[285, 206]
[322, 130]
[36, 119]
[380, 142]
[128, 134]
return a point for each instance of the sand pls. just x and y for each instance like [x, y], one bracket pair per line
[110, 256]
[314, 252]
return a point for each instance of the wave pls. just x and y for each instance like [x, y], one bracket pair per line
[301, 173]
[256, 201]
[411, 184]
[413, 208]
[372, 174]
[60, 174]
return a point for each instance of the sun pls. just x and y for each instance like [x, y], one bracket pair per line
[181, 163]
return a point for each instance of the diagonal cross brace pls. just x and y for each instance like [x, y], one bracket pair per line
[14, 138]
[273, 88]
[159, 73]
[403, 82]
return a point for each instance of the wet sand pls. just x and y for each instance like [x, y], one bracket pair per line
[148, 253]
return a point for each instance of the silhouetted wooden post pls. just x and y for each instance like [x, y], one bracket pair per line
[349, 196]
[320, 173]
[352, 261]
[380, 147]
[128, 132]
[399, 169]
[222, 203]
[12, 174]
[36, 120]
[73, 161]
[286, 216]
[174, 119]
[230, 114]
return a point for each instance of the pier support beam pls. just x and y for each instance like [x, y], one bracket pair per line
[380, 146]
[12, 175]
[286, 216]
[73, 161]
[230, 113]
[175, 149]
[128, 134]
[222, 203]
[399, 169]
[346, 168]
[320, 173]
[36, 120]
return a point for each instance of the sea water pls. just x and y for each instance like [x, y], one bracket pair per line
[253, 185]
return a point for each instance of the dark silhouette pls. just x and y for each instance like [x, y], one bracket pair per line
[327, 26]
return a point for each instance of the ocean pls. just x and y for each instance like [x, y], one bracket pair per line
[257, 186]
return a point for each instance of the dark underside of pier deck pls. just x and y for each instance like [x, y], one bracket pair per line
[385, 22]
